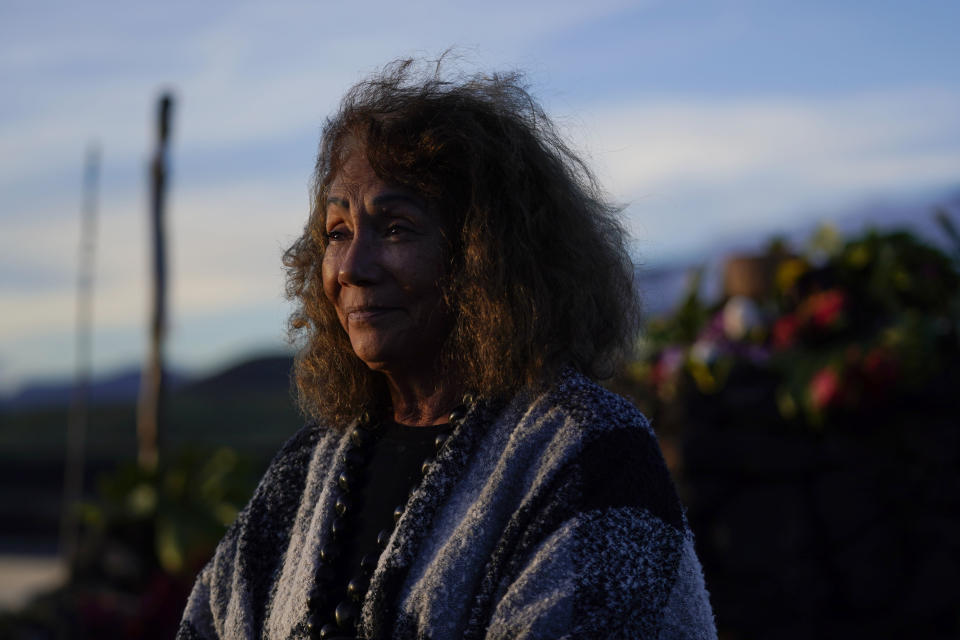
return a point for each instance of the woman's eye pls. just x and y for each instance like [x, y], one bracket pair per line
[336, 235]
[396, 229]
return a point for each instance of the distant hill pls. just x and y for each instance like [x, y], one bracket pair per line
[269, 373]
[916, 215]
[115, 389]
[246, 407]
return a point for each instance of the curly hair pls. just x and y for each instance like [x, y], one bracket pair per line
[538, 276]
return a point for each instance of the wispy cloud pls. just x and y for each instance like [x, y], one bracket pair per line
[252, 74]
[686, 169]
[691, 168]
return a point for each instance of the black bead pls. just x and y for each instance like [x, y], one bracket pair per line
[359, 438]
[425, 467]
[383, 538]
[397, 512]
[368, 563]
[330, 552]
[352, 459]
[329, 631]
[346, 614]
[342, 506]
[345, 480]
[371, 426]
[325, 576]
[365, 418]
[458, 414]
[357, 588]
[319, 600]
[439, 441]
[339, 528]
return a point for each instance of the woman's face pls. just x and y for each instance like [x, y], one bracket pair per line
[381, 271]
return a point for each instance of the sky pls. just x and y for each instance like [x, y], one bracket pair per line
[704, 119]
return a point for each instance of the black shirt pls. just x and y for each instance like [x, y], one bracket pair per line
[393, 470]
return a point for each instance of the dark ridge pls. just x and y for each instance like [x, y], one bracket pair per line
[120, 388]
[269, 374]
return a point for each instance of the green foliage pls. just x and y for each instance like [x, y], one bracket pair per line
[689, 317]
[144, 537]
[185, 505]
[849, 329]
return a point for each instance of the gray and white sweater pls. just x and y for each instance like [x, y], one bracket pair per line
[550, 516]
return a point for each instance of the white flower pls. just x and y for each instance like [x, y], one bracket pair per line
[740, 316]
[704, 351]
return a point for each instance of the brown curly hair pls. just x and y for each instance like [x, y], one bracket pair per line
[539, 275]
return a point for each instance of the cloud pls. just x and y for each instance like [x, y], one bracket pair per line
[691, 168]
[224, 245]
[251, 75]
[688, 170]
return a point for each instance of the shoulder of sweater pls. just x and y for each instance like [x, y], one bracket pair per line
[287, 471]
[251, 543]
[302, 442]
[616, 453]
[591, 407]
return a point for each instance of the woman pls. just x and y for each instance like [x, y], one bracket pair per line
[460, 283]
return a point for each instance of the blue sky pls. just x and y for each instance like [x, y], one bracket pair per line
[705, 119]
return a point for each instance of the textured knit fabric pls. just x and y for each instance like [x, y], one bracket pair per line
[549, 516]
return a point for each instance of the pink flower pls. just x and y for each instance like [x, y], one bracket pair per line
[824, 388]
[667, 365]
[880, 369]
[672, 359]
[785, 331]
[825, 307]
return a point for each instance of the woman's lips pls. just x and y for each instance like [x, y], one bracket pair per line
[367, 314]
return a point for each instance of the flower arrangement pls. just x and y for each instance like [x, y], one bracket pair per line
[834, 336]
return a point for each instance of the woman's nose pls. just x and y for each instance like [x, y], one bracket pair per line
[360, 265]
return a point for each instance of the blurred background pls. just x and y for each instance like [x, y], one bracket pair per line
[790, 174]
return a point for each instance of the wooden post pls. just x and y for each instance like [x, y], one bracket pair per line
[150, 405]
[77, 424]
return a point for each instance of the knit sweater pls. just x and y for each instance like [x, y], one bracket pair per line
[549, 516]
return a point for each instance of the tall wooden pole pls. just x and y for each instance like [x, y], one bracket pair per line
[150, 405]
[77, 424]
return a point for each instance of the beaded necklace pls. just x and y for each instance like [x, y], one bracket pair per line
[322, 622]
